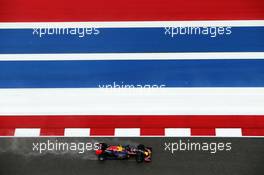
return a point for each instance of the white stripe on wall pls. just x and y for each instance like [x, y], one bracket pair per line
[134, 56]
[137, 101]
[217, 23]
[77, 132]
[127, 132]
[27, 132]
[228, 132]
[174, 132]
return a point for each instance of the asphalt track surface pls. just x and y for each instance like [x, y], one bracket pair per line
[245, 158]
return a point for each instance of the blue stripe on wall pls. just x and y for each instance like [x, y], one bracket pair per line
[92, 74]
[122, 40]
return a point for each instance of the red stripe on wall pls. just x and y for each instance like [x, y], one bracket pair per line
[152, 131]
[7, 132]
[129, 10]
[203, 131]
[99, 121]
[102, 131]
[252, 132]
[52, 132]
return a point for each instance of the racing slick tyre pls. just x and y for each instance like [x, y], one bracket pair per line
[104, 146]
[127, 147]
[101, 157]
[141, 147]
[139, 157]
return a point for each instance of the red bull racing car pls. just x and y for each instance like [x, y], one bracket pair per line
[140, 153]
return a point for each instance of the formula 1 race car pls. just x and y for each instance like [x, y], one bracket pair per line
[140, 153]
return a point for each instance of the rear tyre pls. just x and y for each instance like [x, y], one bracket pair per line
[101, 157]
[104, 146]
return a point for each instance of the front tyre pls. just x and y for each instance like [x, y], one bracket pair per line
[139, 157]
[141, 147]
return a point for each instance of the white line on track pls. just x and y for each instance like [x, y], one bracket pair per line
[181, 132]
[77, 132]
[228, 132]
[27, 132]
[127, 132]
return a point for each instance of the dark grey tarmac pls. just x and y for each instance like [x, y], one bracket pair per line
[245, 158]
